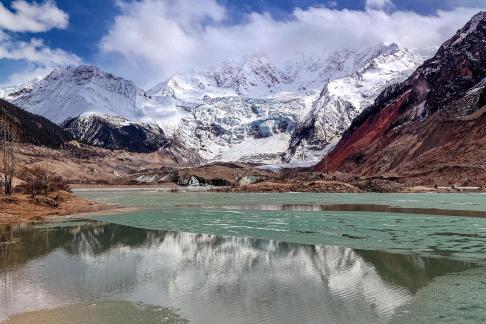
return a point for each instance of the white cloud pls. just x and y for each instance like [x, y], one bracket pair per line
[3, 36]
[157, 38]
[27, 74]
[163, 32]
[378, 4]
[40, 58]
[35, 17]
[35, 51]
[332, 4]
[32, 17]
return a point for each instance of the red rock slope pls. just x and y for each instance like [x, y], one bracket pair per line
[432, 125]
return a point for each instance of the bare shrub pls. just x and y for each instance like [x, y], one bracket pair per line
[57, 183]
[39, 181]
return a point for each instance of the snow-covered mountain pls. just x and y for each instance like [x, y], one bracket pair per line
[343, 99]
[255, 110]
[10, 92]
[251, 109]
[70, 91]
[6, 90]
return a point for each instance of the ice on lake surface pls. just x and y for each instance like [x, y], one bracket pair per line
[260, 216]
[250, 258]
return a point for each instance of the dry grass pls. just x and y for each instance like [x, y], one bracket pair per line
[24, 208]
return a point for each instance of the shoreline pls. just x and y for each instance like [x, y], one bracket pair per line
[22, 208]
[168, 186]
[275, 187]
[87, 214]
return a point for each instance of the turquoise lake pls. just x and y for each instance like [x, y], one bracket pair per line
[252, 258]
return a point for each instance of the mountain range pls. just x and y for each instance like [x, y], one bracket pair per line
[251, 109]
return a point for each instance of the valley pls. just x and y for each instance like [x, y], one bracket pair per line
[253, 125]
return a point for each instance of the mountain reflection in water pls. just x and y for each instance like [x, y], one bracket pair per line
[208, 278]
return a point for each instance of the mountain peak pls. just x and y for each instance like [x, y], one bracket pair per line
[475, 28]
[457, 66]
[477, 18]
[69, 91]
[84, 72]
[75, 69]
[477, 23]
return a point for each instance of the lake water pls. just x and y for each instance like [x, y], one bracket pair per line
[252, 258]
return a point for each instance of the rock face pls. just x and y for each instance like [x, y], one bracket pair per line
[116, 133]
[33, 129]
[431, 124]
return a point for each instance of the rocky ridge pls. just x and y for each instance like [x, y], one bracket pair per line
[116, 133]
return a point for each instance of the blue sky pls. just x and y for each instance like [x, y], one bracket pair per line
[148, 40]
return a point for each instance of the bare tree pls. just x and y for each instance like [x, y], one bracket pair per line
[7, 145]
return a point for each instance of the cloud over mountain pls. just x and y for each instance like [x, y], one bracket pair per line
[158, 38]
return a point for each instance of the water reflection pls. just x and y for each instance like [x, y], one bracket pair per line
[209, 278]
